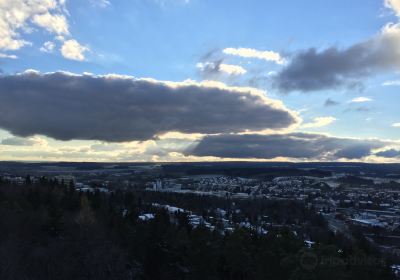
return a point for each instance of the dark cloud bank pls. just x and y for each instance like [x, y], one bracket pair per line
[17, 141]
[112, 108]
[391, 153]
[294, 145]
[312, 70]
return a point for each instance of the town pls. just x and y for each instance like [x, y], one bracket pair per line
[362, 201]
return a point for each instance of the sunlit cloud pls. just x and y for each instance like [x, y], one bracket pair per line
[253, 53]
[18, 17]
[210, 68]
[360, 99]
[71, 49]
[319, 122]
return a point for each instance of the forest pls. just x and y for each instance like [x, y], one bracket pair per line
[48, 230]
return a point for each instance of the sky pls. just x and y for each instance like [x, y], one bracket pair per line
[199, 80]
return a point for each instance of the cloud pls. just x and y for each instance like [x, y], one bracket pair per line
[23, 16]
[53, 23]
[252, 53]
[117, 108]
[232, 69]
[361, 109]
[360, 99]
[164, 147]
[391, 83]
[332, 68]
[359, 104]
[164, 3]
[294, 145]
[16, 16]
[391, 153]
[151, 150]
[394, 5]
[10, 56]
[330, 102]
[396, 124]
[100, 3]
[71, 49]
[319, 122]
[213, 68]
[47, 47]
[19, 141]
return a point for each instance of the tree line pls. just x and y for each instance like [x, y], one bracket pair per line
[48, 230]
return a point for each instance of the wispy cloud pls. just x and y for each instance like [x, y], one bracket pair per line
[210, 68]
[360, 99]
[319, 122]
[330, 102]
[253, 53]
[100, 3]
[391, 83]
[163, 3]
[48, 47]
[10, 56]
